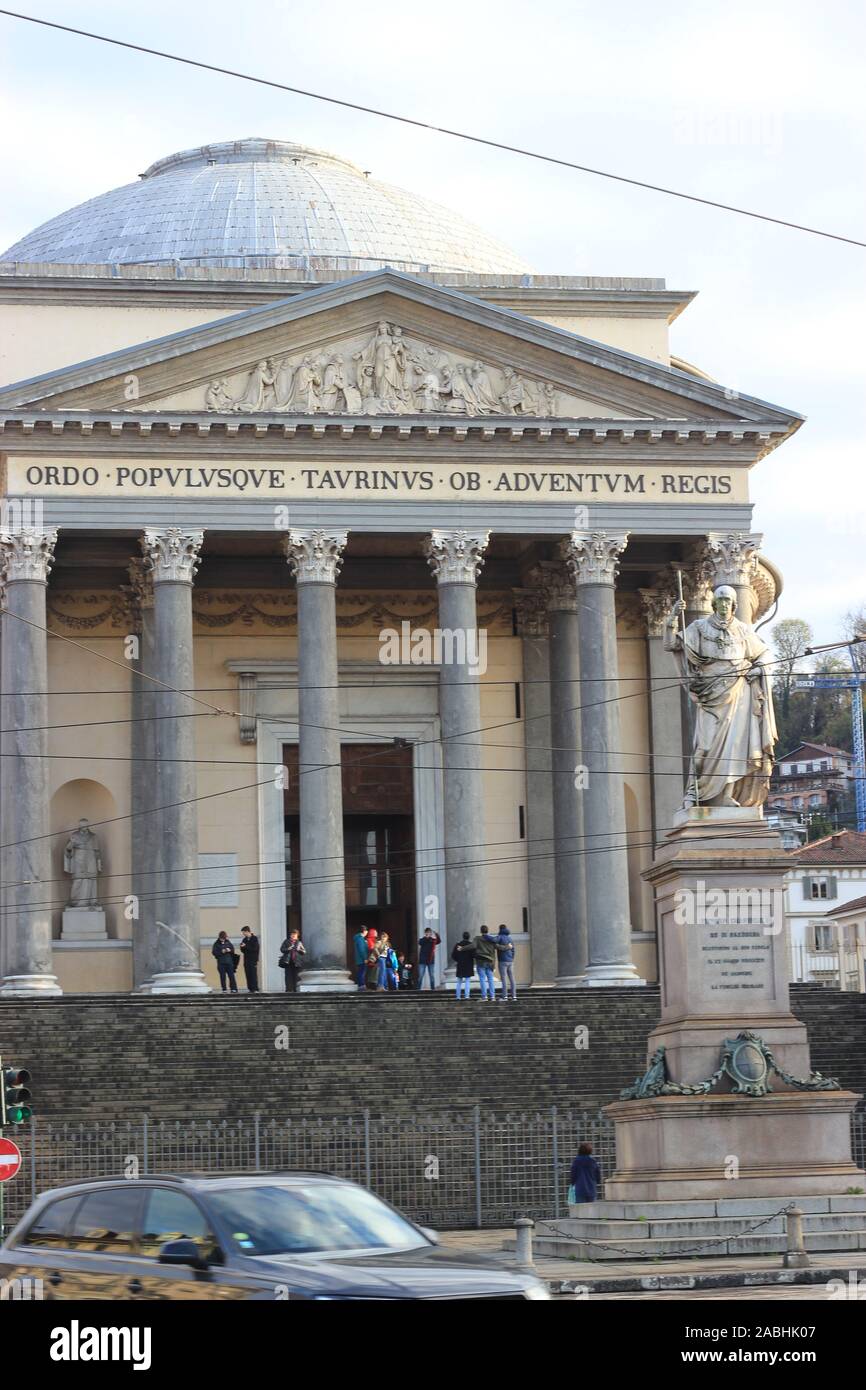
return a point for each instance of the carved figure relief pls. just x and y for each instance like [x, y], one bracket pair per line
[389, 374]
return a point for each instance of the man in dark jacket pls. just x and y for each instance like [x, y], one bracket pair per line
[485, 959]
[250, 954]
[427, 956]
[223, 953]
[463, 957]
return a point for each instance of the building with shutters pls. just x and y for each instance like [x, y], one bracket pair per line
[828, 877]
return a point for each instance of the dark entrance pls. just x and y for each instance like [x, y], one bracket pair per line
[378, 842]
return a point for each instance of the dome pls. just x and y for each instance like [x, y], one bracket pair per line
[264, 204]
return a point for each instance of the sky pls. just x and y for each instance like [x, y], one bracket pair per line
[758, 104]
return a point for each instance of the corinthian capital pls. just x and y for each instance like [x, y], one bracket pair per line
[656, 604]
[733, 558]
[26, 554]
[456, 557]
[592, 557]
[140, 584]
[172, 556]
[531, 610]
[315, 557]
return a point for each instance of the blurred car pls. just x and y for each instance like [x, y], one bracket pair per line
[261, 1236]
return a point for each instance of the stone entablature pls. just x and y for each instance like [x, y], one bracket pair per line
[105, 612]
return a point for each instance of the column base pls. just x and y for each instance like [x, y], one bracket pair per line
[30, 986]
[179, 982]
[146, 987]
[565, 982]
[611, 975]
[328, 982]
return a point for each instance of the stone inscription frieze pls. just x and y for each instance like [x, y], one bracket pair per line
[389, 373]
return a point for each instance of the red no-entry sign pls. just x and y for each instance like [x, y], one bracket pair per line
[10, 1159]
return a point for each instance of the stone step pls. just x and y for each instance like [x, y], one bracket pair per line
[650, 1249]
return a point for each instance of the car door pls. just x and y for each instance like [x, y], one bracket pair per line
[101, 1241]
[37, 1264]
[168, 1214]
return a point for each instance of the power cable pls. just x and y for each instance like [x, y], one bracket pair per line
[426, 125]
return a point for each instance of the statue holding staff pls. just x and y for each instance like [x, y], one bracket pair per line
[727, 669]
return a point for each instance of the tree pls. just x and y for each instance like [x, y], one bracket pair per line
[790, 639]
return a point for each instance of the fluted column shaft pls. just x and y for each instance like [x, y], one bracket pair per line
[26, 557]
[315, 558]
[172, 559]
[144, 826]
[456, 558]
[593, 560]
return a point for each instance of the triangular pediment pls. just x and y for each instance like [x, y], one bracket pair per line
[385, 344]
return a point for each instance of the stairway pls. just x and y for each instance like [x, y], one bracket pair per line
[705, 1229]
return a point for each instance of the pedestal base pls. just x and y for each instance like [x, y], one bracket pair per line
[179, 982]
[721, 1146]
[611, 976]
[327, 982]
[83, 924]
[30, 986]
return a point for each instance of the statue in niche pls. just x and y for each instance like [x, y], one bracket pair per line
[728, 669]
[83, 862]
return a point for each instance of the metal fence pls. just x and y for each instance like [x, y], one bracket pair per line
[462, 1169]
[458, 1169]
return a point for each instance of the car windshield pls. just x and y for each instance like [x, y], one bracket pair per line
[310, 1218]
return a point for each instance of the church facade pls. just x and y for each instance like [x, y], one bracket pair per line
[336, 549]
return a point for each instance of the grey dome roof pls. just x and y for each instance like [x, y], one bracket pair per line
[264, 203]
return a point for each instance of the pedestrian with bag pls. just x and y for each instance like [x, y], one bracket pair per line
[485, 959]
[505, 954]
[250, 951]
[292, 954]
[227, 961]
[388, 956]
[463, 957]
[585, 1177]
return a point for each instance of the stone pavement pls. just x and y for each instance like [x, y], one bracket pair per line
[688, 1277]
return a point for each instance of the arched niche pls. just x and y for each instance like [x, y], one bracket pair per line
[82, 797]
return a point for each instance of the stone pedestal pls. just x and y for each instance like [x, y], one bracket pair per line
[723, 956]
[83, 924]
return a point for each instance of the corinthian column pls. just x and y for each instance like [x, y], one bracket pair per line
[593, 560]
[25, 560]
[532, 627]
[172, 558]
[665, 711]
[144, 825]
[455, 558]
[733, 559]
[567, 759]
[315, 558]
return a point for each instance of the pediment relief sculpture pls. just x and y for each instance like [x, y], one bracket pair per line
[386, 374]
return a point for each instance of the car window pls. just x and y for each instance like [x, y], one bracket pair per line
[105, 1222]
[49, 1228]
[311, 1216]
[172, 1215]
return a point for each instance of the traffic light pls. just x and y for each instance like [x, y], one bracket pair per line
[15, 1098]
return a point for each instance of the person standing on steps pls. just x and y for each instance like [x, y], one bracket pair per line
[485, 959]
[404, 972]
[505, 953]
[250, 954]
[362, 950]
[585, 1177]
[223, 953]
[292, 953]
[463, 957]
[427, 957]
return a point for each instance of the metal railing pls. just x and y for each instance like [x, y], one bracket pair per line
[446, 1170]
